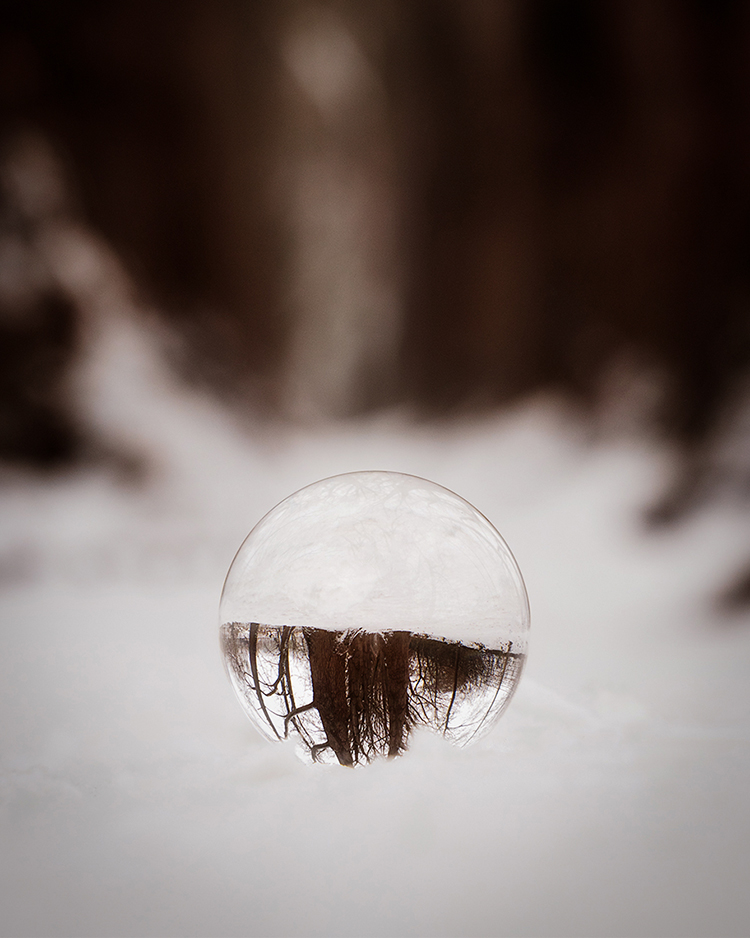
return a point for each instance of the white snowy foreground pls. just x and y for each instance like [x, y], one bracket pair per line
[137, 800]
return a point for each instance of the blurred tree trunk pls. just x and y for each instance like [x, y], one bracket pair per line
[584, 192]
[163, 111]
[568, 182]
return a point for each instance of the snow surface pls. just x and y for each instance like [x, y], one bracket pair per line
[379, 551]
[611, 798]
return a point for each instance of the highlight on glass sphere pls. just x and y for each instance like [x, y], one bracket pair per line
[369, 604]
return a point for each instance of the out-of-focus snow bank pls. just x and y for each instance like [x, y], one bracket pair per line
[611, 799]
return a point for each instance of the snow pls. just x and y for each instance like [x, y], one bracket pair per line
[379, 550]
[610, 799]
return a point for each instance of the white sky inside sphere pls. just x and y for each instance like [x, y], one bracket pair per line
[379, 551]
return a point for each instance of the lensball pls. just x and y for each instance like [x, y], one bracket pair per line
[366, 605]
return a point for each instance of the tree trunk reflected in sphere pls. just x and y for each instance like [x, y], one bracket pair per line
[353, 696]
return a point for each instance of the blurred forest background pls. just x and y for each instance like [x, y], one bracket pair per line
[340, 206]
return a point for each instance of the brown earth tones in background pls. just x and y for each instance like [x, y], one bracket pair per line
[570, 185]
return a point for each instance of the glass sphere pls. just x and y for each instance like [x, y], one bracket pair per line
[367, 604]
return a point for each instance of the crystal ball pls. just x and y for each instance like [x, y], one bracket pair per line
[367, 605]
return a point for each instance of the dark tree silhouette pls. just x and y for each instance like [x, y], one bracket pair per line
[358, 695]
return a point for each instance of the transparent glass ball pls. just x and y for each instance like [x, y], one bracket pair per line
[366, 605]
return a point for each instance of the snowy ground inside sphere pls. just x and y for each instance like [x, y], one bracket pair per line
[610, 799]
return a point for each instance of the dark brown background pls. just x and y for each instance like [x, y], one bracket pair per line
[571, 184]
